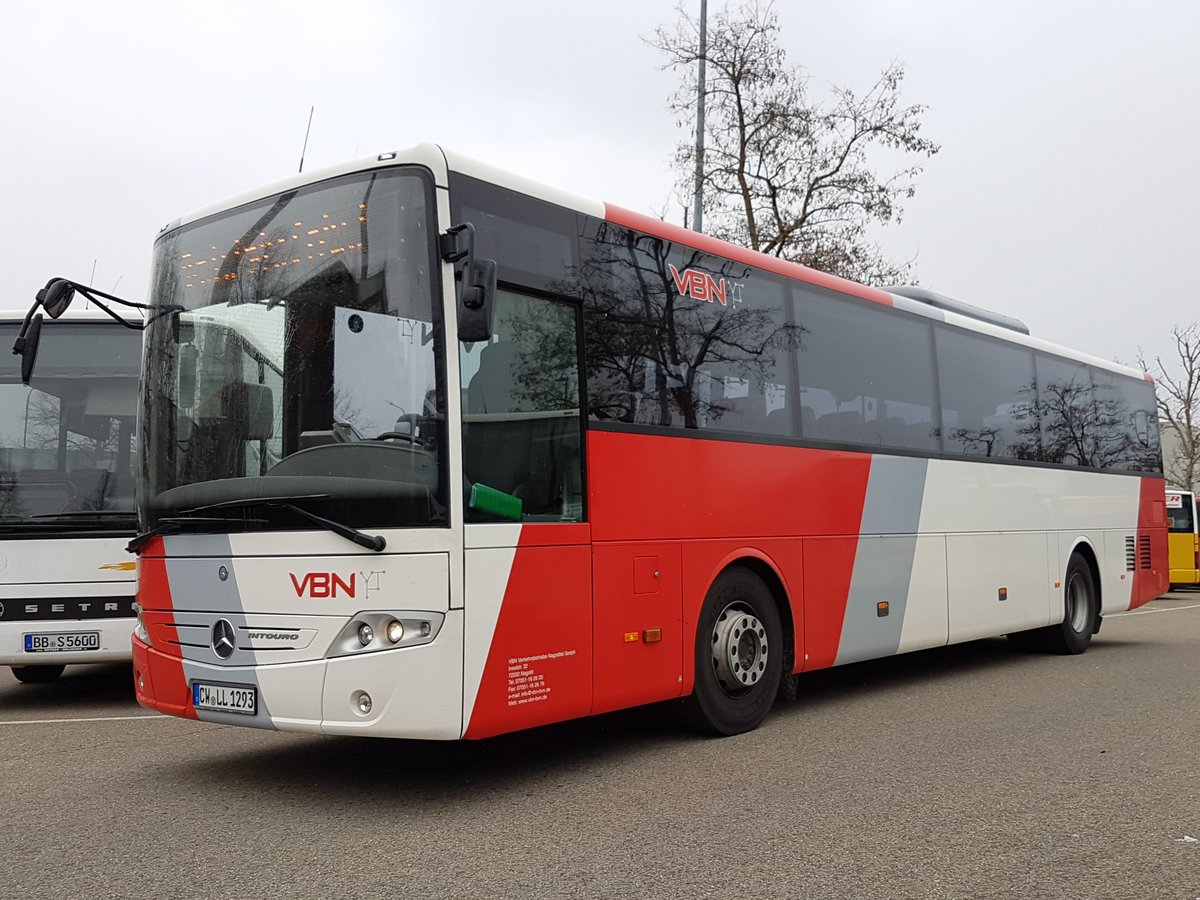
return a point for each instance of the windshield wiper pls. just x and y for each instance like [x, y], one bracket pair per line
[176, 523]
[374, 542]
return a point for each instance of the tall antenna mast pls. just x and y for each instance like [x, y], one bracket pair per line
[304, 149]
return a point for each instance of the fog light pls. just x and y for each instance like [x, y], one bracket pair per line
[362, 702]
[366, 634]
[395, 631]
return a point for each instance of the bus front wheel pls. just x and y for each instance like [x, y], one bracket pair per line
[739, 655]
[36, 674]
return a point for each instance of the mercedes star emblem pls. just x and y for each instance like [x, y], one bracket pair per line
[223, 639]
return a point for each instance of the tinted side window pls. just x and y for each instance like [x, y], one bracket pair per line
[749, 368]
[533, 242]
[865, 373]
[988, 396]
[1066, 411]
[678, 338]
[521, 424]
[1128, 420]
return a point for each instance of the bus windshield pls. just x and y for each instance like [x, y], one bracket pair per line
[299, 357]
[66, 439]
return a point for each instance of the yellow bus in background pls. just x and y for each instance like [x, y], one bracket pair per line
[1184, 540]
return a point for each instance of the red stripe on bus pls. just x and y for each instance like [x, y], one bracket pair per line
[591, 629]
[706, 244]
[539, 664]
[751, 494]
[166, 687]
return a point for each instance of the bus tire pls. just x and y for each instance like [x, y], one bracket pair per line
[1081, 606]
[739, 655]
[37, 674]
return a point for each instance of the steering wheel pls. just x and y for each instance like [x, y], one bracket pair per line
[396, 436]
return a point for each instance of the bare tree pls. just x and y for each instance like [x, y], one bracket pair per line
[787, 174]
[1179, 404]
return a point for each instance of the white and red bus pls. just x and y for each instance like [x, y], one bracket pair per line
[433, 451]
[67, 496]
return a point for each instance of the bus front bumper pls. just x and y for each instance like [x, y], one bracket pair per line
[414, 692]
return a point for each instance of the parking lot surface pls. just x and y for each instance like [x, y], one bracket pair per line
[972, 771]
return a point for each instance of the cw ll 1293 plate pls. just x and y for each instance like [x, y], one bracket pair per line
[60, 641]
[231, 698]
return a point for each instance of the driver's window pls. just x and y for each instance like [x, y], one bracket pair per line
[521, 425]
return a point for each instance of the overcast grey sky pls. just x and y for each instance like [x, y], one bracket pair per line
[1065, 193]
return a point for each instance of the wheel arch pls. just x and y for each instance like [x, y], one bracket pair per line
[769, 573]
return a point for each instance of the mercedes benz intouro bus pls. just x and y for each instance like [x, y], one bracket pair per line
[431, 450]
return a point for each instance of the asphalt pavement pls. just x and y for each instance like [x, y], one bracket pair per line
[969, 772]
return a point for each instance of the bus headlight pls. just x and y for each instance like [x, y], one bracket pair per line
[373, 630]
[139, 626]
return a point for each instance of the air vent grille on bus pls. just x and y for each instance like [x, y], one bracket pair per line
[1130, 555]
[1144, 551]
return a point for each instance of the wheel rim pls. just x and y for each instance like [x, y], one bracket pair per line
[739, 649]
[1078, 603]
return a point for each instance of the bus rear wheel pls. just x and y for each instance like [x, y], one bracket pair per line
[1081, 606]
[37, 674]
[739, 655]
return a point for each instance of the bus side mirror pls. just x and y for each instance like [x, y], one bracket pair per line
[56, 297]
[29, 349]
[478, 301]
[474, 283]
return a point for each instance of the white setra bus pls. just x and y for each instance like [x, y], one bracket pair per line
[430, 450]
[67, 495]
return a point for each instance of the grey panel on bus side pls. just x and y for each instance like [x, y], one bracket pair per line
[883, 562]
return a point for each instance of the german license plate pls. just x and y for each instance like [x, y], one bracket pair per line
[232, 698]
[57, 642]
